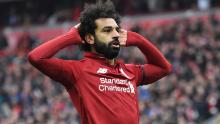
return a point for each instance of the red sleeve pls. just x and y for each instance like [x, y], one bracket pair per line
[57, 69]
[157, 66]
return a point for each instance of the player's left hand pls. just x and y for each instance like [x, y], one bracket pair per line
[77, 27]
[123, 37]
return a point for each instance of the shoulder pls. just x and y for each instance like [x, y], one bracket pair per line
[79, 63]
[132, 66]
[129, 67]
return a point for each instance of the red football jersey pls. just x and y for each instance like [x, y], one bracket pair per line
[102, 93]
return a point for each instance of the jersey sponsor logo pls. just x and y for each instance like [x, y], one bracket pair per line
[131, 87]
[115, 84]
[102, 71]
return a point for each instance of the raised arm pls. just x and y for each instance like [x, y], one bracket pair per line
[157, 66]
[41, 57]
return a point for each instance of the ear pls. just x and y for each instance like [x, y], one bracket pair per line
[89, 39]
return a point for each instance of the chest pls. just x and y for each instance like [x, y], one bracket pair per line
[108, 80]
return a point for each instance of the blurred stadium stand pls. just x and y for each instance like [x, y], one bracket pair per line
[187, 32]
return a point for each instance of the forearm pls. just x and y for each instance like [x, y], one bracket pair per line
[152, 54]
[41, 57]
[51, 47]
[157, 66]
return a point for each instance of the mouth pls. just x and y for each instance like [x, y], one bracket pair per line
[115, 43]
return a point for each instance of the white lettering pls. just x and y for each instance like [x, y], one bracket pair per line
[101, 87]
[102, 80]
[113, 81]
[115, 88]
[117, 85]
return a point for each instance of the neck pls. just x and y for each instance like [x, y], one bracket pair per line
[110, 61]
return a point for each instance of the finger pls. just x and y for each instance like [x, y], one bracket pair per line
[77, 25]
[123, 30]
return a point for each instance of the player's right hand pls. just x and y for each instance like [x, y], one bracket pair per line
[77, 26]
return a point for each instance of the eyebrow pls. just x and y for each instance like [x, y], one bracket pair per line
[110, 27]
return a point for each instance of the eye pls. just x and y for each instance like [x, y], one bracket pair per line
[108, 30]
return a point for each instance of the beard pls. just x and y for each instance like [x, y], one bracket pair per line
[107, 50]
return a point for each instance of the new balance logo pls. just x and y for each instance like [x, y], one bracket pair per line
[102, 70]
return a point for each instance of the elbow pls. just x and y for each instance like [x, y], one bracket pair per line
[32, 58]
[168, 69]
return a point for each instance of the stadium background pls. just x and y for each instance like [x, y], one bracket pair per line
[187, 32]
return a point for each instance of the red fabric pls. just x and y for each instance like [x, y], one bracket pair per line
[157, 66]
[102, 93]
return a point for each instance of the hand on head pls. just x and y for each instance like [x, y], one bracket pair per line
[123, 37]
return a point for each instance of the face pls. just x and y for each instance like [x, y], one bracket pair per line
[106, 37]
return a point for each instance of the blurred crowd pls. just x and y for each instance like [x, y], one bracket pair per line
[190, 95]
[26, 12]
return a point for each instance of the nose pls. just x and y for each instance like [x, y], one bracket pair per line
[115, 34]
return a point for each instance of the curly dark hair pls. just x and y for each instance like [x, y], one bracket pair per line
[101, 9]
